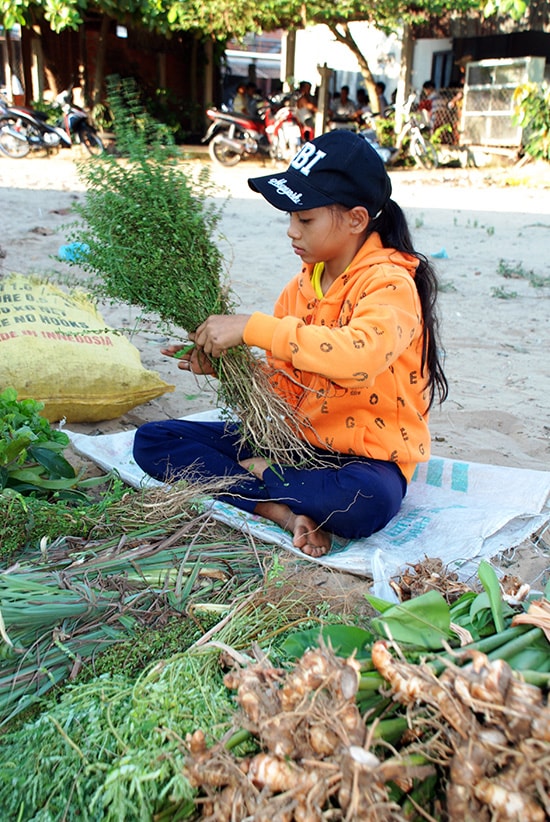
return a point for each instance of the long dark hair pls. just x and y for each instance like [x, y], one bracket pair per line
[393, 229]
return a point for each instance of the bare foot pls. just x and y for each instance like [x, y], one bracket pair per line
[307, 536]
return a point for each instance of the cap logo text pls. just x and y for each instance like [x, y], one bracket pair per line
[306, 158]
[285, 190]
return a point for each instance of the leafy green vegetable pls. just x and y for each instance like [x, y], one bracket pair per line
[423, 622]
[31, 453]
[345, 640]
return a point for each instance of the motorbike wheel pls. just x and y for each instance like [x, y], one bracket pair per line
[221, 153]
[11, 145]
[424, 154]
[90, 139]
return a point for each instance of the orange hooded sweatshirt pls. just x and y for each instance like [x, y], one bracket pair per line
[349, 363]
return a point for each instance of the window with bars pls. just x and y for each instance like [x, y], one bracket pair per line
[487, 106]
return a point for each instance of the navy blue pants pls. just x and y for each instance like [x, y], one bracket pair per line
[348, 496]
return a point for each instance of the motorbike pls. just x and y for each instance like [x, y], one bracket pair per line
[76, 124]
[24, 129]
[414, 137]
[274, 132]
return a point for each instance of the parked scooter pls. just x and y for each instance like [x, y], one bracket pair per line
[23, 129]
[274, 132]
[76, 124]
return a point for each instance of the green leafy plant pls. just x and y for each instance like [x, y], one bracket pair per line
[136, 132]
[427, 626]
[502, 294]
[27, 522]
[31, 452]
[532, 113]
[516, 271]
[438, 136]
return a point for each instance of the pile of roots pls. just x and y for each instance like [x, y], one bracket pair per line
[477, 738]
[489, 731]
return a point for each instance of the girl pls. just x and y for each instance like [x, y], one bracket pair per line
[354, 347]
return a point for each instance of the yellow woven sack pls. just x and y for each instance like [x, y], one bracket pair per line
[55, 348]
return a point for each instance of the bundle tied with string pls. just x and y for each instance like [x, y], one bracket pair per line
[150, 227]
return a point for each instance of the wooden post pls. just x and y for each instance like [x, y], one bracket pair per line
[322, 100]
[288, 61]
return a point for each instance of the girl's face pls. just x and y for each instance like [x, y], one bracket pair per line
[326, 235]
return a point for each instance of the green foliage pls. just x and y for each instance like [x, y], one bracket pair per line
[220, 20]
[26, 520]
[148, 225]
[503, 294]
[516, 271]
[137, 133]
[385, 130]
[40, 493]
[532, 113]
[51, 110]
[111, 749]
[345, 640]
[424, 622]
[148, 645]
[512, 8]
[31, 458]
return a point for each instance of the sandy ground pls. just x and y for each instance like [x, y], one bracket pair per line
[478, 225]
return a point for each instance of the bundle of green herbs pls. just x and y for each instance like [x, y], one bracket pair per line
[148, 559]
[149, 234]
[112, 747]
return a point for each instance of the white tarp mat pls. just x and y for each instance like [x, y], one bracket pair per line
[458, 511]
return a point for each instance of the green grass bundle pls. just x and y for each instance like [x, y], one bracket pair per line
[150, 231]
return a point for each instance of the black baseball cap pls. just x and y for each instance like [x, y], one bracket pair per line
[337, 167]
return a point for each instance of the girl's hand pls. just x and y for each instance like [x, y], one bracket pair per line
[191, 358]
[220, 332]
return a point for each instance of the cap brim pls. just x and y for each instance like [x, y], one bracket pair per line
[289, 191]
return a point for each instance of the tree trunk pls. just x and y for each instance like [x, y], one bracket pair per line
[100, 60]
[343, 35]
[405, 73]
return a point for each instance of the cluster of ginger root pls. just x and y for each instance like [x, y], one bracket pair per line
[315, 762]
[477, 732]
[489, 731]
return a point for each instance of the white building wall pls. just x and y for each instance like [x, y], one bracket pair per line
[316, 46]
[424, 50]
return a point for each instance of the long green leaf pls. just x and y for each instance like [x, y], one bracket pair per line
[32, 476]
[424, 621]
[489, 580]
[11, 449]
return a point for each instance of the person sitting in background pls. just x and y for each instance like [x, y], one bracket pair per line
[240, 100]
[253, 98]
[343, 111]
[436, 111]
[305, 105]
[382, 102]
[363, 105]
[430, 103]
